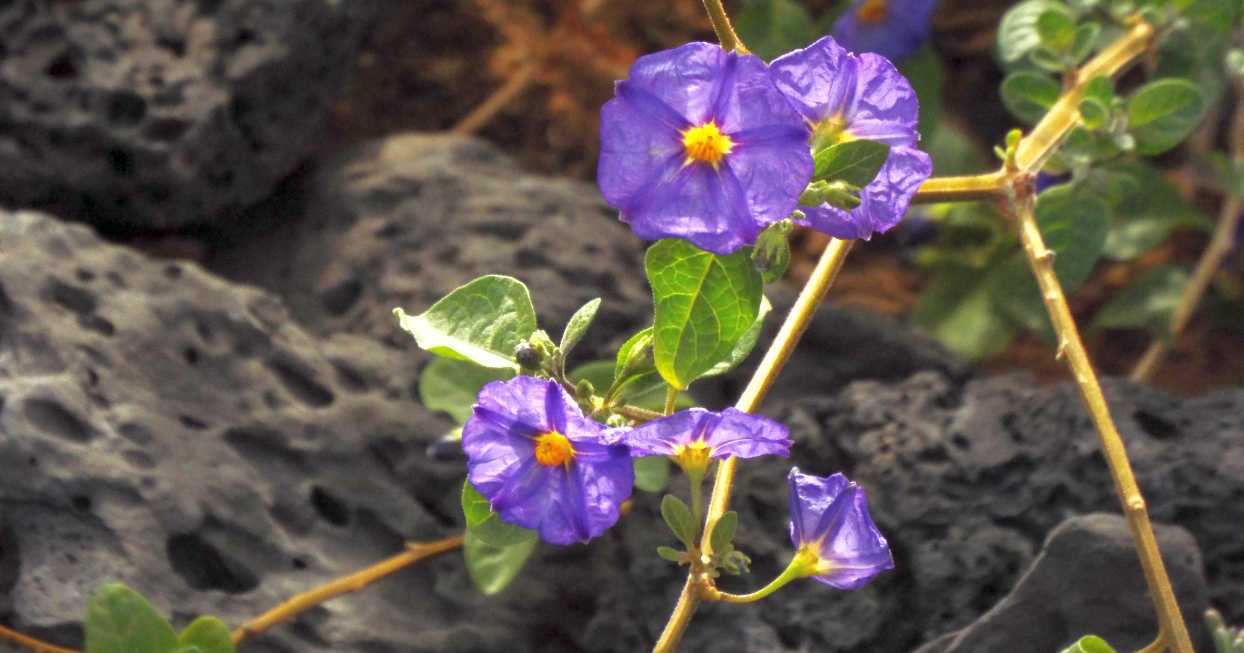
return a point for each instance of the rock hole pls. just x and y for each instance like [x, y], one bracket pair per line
[298, 563]
[329, 507]
[136, 433]
[126, 108]
[10, 561]
[81, 503]
[339, 298]
[121, 162]
[63, 67]
[51, 417]
[1155, 426]
[138, 459]
[165, 130]
[960, 441]
[190, 355]
[262, 445]
[204, 567]
[85, 276]
[300, 384]
[350, 377]
[78, 300]
[97, 324]
[172, 43]
[192, 423]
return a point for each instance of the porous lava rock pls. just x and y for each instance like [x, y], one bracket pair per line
[156, 114]
[1055, 603]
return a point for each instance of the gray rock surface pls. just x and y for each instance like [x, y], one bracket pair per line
[1055, 603]
[154, 114]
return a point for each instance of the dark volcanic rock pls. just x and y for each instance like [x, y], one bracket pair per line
[1056, 603]
[403, 220]
[164, 113]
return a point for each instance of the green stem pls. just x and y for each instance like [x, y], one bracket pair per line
[697, 500]
[721, 25]
[671, 399]
[801, 566]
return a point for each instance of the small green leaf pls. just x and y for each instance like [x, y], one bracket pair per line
[745, 344]
[1057, 29]
[482, 321]
[1089, 644]
[705, 304]
[1146, 207]
[492, 568]
[678, 517]
[1029, 95]
[120, 620]
[486, 524]
[207, 635]
[451, 386]
[1017, 33]
[855, 162]
[1085, 38]
[1147, 302]
[1162, 113]
[774, 27]
[578, 325]
[634, 356]
[1094, 113]
[669, 553]
[652, 473]
[723, 531]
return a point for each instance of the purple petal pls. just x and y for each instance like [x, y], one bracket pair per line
[697, 203]
[883, 202]
[748, 99]
[745, 435]
[818, 80]
[810, 497]
[660, 436]
[556, 401]
[774, 165]
[686, 79]
[903, 30]
[885, 108]
[855, 547]
[635, 151]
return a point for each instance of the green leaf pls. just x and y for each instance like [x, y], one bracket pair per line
[1056, 28]
[451, 386]
[646, 390]
[723, 531]
[634, 356]
[678, 517]
[485, 524]
[1147, 302]
[492, 568]
[774, 27]
[855, 162]
[578, 325]
[670, 553]
[925, 72]
[956, 309]
[1017, 33]
[207, 635]
[482, 322]
[1029, 95]
[120, 620]
[745, 344]
[1089, 644]
[1146, 207]
[1085, 38]
[705, 304]
[1073, 224]
[652, 473]
[1162, 113]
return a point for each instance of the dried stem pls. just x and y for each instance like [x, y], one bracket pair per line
[415, 551]
[488, 109]
[30, 643]
[1211, 259]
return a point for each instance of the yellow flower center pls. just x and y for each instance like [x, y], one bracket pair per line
[706, 144]
[553, 449]
[693, 457]
[872, 11]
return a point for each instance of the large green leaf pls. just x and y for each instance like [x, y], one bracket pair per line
[451, 385]
[207, 635]
[745, 344]
[956, 310]
[856, 162]
[493, 568]
[1089, 644]
[485, 524]
[1073, 224]
[120, 620]
[705, 304]
[1162, 113]
[1029, 95]
[1147, 302]
[482, 322]
[774, 27]
[1017, 34]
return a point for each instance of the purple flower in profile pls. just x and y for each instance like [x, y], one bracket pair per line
[891, 28]
[542, 464]
[835, 538]
[844, 97]
[698, 144]
[694, 436]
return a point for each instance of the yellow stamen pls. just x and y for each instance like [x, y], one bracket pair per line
[693, 456]
[553, 449]
[872, 11]
[706, 144]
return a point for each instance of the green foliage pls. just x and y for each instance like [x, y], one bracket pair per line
[1147, 302]
[774, 27]
[1162, 113]
[743, 348]
[120, 620]
[492, 568]
[486, 524]
[207, 635]
[1018, 35]
[1029, 95]
[855, 162]
[705, 304]
[771, 253]
[925, 72]
[578, 325]
[723, 531]
[482, 321]
[1056, 29]
[652, 473]
[451, 385]
[1146, 208]
[678, 517]
[1089, 644]
[1226, 639]
[956, 308]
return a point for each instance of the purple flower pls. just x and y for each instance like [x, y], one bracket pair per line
[694, 436]
[891, 28]
[542, 464]
[833, 533]
[846, 96]
[698, 144]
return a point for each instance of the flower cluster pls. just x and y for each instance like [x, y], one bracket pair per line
[713, 146]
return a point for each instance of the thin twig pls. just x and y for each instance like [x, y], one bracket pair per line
[30, 643]
[1219, 248]
[488, 109]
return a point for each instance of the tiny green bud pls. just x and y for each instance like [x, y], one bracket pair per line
[584, 388]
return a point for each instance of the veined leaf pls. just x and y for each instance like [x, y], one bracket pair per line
[482, 321]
